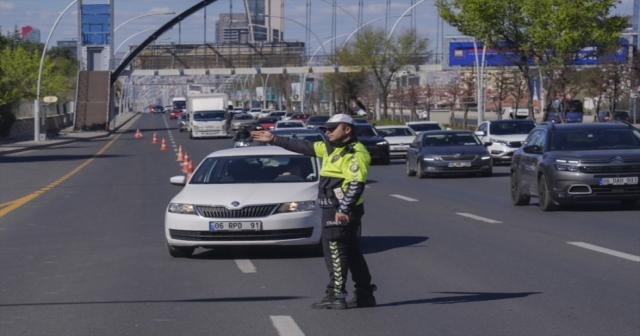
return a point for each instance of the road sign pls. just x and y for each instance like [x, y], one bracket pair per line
[50, 99]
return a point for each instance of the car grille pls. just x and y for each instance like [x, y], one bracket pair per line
[248, 211]
[615, 190]
[514, 144]
[610, 169]
[627, 159]
[458, 158]
[241, 235]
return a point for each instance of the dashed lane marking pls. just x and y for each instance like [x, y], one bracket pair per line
[245, 266]
[482, 219]
[408, 199]
[286, 326]
[606, 251]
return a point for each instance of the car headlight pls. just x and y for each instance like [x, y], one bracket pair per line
[186, 209]
[382, 143]
[485, 158]
[297, 206]
[567, 165]
[432, 158]
[502, 142]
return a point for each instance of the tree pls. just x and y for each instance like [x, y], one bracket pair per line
[548, 31]
[348, 86]
[517, 89]
[499, 80]
[453, 94]
[384, 57]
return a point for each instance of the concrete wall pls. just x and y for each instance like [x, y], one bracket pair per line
[23, 127]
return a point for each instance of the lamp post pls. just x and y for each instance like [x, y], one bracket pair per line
[403, 15]
[264, 87]
[36, 105]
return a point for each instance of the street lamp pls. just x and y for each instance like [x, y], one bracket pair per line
[36, 106]
[403, 15]
[264, 87]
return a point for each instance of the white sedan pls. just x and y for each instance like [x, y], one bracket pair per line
[399, 138]
[245, 196]
[290, 124]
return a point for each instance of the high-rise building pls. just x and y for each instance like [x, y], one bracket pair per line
[232, 28]
[31, 34]
[265, 20]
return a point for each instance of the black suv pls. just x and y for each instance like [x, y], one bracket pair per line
[560, 164]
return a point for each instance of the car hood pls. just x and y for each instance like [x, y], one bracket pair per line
[246, 194]
[604, 156]
[370, 140]
[450, 150]
[510, 137]
[396, 140]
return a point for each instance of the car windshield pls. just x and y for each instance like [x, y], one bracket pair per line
[277, 114]
[397, 131]
[311, 137]
[256, 169]
[289, 124]
[255, 110]
[242, 117]
[180, 104]
[451, 139]
[425, 127]
[506, 128]
[620, 116]
[360, 121]
[209, 115]
[364, 131]
[317, 120]
[608, 139]
[268, 120]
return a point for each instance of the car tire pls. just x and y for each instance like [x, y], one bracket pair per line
[420, 172]
[180, 252]
[517, 198]
[409, 171]
[545, 201]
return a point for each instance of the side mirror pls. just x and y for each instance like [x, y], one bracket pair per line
[533, 149]
[487, 144]
[310, 127]
[480, 133]
[178, 180]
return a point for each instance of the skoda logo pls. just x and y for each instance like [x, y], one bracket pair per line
[235, 203]
[617, 158]
[456, 155]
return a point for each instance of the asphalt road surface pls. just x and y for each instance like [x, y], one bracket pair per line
[82, 252]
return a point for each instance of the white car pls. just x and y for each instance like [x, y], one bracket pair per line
[255, 112]
[290, 124]
[505, 136]
[264, 113]
[399, 138]
[421, 126]
[261, 195]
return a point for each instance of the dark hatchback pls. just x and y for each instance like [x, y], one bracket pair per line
[375, 143]
[309, 135]
[560, 164]
[440, 152]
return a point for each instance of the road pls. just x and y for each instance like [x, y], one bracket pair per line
[82, 252]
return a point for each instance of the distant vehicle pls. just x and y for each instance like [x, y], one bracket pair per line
[553, 117]
[207, 115]
[268, 122]
[175, 114]
[254, 112]
[516, 113]
[316, 121]
[168, 108]
[288, 115]
[179, 103]
[505, 136]
[290, 124]
[361, 121]
[377, 146]
[158, 109]
[183, 120]
[261, 195]
[422, 126]
[299, 117]
[439, 152]
[572, 117]
[399, 138]
[264, 113]
[240, 120]
[622, 116]
[277, 114]
[561, 164]
[310, 135]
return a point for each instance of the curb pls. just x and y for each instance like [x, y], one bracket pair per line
[64, 142]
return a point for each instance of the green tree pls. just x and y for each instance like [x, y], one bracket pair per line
[548, 31]
[384, 57]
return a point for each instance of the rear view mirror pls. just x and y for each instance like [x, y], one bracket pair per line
[480, 133]
[487, 144]
[533, 149]
[179, 180]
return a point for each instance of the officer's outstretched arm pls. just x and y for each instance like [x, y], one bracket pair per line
[300, 146]
[355, 172]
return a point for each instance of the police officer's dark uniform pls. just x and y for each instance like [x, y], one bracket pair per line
[342, 181]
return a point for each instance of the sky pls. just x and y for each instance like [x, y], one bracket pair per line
[42, 14]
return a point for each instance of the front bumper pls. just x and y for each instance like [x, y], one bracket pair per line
[571, 186]
[501, 152]
[299, 228]
[398, 151]
[476, 166]
[209, 133]
[378, 152]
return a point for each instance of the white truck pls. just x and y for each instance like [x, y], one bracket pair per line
[515, 112]
[207, 115]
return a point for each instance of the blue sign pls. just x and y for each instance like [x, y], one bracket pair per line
[464, 54]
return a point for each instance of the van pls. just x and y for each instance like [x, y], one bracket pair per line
[520, 112]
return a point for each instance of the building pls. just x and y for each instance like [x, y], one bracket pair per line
[232, 28]
[265, 20]
[71, 44]
[31, 34]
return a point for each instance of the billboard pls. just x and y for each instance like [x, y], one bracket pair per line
[464, 54]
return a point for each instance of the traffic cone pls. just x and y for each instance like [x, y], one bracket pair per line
[164, 145]
[138, 134]
[190, 170]
[180, 157]
[185, 163]
[155, 140]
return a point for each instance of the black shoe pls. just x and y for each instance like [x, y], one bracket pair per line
[330, 302]
[363, 298]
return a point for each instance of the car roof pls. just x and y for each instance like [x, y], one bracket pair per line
[289, 121]
[252, 150]
[392, 126]
[294, 130]
[586, 126]
[446, 132]
[504, 121]
[421, 122]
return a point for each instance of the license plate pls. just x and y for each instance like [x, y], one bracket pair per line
[459, 164]
[399, 148]
[618, 180]
[235, 226]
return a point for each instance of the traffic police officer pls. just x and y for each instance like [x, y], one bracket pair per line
[345, 165]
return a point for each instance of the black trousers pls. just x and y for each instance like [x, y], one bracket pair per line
[342, 254]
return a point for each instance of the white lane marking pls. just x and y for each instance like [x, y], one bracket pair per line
[245, 265]
[408, 199]
[286, 326]
[606, 251]
[482, 219]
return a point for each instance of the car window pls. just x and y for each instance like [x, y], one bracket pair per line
[608, 139]
[396, 131]
[317, 119]
[242, 117]
[365, 131]
[209, 115]
[506, 128]
[425, 127]
[268, 120]
[531, 139]
[256, 169]
[483, 127]
[541, 141]
[450, 139]
[289, 124]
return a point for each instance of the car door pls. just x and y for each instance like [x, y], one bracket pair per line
[524, 164]
[536, 158]
[413, 151]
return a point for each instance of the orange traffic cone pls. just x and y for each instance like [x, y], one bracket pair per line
[185, 163]
[155, 140]
[180, 157]
[138, 134]
[164, 145]
[190, 173]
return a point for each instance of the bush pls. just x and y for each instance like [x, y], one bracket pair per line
[7, 118]
[384, 122]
